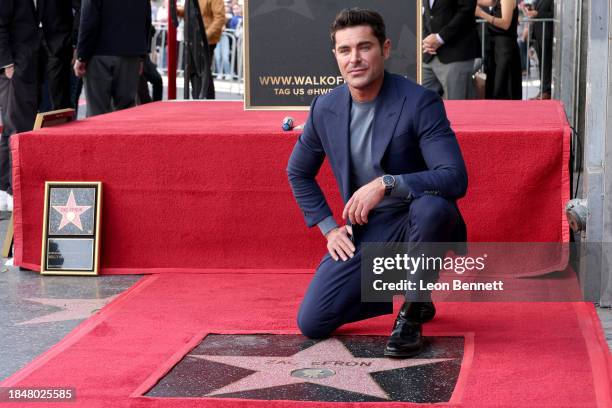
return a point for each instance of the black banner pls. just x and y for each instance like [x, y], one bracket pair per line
[289, 56]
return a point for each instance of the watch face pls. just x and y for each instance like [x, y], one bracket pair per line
[388, 180]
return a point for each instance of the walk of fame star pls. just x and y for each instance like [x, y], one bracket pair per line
[71, 212]
[328, 363]
[72, 309]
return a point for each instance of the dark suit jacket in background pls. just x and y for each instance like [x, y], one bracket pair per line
[58, 23]
[19, 37]
[114, 28]
[412, 140]
[19, 45]
[455, 22]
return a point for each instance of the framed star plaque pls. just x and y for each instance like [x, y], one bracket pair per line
[71, 228]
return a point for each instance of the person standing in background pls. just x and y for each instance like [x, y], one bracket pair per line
[222, 51]
[236, 20]
[542, 35]
[213, 15]
[58, 27]
[112, 45]
[236, 24]
[19, 48]
[450, 46]
[502, 59]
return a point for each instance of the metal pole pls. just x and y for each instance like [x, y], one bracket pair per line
[528, 60]
[482, 46]
[171, 54]
[598, 154]
[543, 48]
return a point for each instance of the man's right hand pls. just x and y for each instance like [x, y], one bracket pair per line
[9, 71]
[339, 244]
[80, 68]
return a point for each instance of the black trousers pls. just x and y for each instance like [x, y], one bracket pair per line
[544, 50]
[19, 98]
[111, 83]
[210, 92]
[56, 69]
[152, 76]
[333, 297]
[503, 68]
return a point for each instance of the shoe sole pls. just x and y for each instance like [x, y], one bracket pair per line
[402, 354]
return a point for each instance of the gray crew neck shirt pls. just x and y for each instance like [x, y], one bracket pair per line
[363, 168]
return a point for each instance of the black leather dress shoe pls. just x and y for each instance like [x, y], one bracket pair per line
[406, 338]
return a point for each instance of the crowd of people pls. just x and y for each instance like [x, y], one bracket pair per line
[50, 50]
[227, 46]
[224, 66]
[452, 45]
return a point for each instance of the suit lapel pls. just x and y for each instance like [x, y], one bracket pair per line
[386, 115]
[340, 124]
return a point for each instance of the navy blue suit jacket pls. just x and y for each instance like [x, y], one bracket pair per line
[412, 140]
[114, 27]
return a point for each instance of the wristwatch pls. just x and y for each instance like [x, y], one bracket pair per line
[388, 182]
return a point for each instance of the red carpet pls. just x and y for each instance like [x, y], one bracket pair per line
[524, 354]
[201, 187]
[197, 185]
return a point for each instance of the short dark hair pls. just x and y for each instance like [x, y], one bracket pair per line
[357, 17]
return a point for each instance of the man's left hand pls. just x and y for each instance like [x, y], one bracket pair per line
[431, 44]
[363, 200]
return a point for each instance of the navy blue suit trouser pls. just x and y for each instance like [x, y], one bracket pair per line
[333, 297]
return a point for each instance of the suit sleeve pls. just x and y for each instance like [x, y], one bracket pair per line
[6, 17]
[304, 164]
[461, 21]
[446, 175]
[76, 21]
[89, 28]
[545, 9]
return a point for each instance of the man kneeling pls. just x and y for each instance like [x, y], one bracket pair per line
[399, 169]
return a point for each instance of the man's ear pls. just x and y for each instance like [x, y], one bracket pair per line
[386, 48]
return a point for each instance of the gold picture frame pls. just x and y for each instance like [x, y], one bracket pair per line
[71, 228]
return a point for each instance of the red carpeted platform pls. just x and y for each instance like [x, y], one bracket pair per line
[199, 185]
[515, 355]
